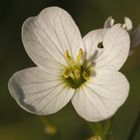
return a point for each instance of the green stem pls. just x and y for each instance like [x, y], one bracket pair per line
[101, 130]
[48, 127]
[107, 129]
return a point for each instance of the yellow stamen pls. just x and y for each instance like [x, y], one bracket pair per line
[69, 59]
[77, 73]
[67, 55]
[80, 55]
[67, 73]
[86, 75]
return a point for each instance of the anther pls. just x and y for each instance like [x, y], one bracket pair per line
[67, 73]
[86, 75]
[67, 56]
[69, 59]
[80, 55]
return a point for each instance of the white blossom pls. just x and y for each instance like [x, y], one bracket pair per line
[69, 67]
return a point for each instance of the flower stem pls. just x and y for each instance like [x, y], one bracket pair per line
[101, 130]
[48, 127]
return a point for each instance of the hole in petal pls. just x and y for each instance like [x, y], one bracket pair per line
[100, 45]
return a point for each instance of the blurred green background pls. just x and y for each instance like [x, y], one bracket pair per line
[15, 123]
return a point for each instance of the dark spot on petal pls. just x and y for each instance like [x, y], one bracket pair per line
[100, 45]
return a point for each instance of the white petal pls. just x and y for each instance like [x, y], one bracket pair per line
[101, 96]
[39, 92]
[109, 22]
[91, 41]
[127, 24]
[135, 37]
[116, 45]
[47, 36]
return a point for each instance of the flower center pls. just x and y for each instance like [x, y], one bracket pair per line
[78, 71]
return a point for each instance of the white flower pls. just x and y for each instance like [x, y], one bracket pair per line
[84, 71]
[128, 26]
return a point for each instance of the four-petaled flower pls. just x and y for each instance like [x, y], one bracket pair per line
[84, 71]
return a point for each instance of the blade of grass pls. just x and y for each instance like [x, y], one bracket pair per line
[134, 128]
